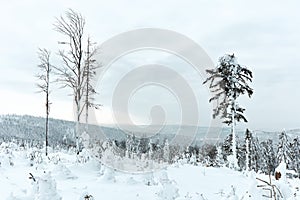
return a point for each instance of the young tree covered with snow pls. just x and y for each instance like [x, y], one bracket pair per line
[296, 155]
[151, 151]
[269, 158]
[248, 139]
[227, 146]
[284, 151]
[228, 81]
[256, 155]
[44, 86]
[166, 152]
[253, 152]
[219, 162]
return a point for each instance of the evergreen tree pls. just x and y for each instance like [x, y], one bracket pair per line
[241, 154]
[248, 139]
[219, 162]
[269, 158]
[255, 155]
[166, 152]
[143, 145]
[228, 81]
[296, 155]
[150, 152]
[284, 151]
[227, 147]
[252, 151]
[209, 153]
[129, 146]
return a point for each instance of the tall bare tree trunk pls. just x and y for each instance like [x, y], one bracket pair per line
[44, 82]
[234, 149]
[247, 154]
[87, 86]
[77, 126]
[47, 117]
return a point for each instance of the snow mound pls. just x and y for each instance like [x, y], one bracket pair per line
[62, 172]
[169, 190]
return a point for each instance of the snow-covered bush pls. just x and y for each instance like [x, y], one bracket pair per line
[108, 175]
[35, 156]
[62, 172]
[83, 156]
[148, 179]
[6, 154]
[232, 164]
[131, 181]
[55, 158]
[169, 191]
[45, 188]
[42, 188]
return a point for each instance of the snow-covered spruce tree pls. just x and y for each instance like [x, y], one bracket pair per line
[269, 158]
[253, 152]
[296, 155]
[241, 154]
[284, 150]
[256, 155]
[130, 146]
[248, 139]
[166, 152]
[143, 145]
[150, 152]
[219, 162]
[228, 81]
[209, 153]
[250, 153]
[227, 147]
[44, 86]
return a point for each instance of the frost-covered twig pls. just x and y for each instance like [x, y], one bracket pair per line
[271, 189]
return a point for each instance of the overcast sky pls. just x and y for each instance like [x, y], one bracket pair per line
[264, 35]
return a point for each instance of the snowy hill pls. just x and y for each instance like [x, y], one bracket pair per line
[60, 176]
[27, 174]
[28, 127]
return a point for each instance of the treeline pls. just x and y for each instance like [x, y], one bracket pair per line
[252, 154]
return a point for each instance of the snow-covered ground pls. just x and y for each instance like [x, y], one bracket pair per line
[60, 176]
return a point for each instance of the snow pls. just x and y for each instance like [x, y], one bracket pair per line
[282, 170]
[61, 176]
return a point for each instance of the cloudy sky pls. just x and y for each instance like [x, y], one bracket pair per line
[264, 35]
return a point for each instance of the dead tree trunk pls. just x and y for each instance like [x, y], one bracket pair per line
[43, 85]
[73, 72]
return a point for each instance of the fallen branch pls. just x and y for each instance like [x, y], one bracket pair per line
[272, 188]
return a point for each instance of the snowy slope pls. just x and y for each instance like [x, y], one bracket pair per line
[60, 177]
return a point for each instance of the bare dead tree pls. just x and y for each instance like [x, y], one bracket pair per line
[77, 68]
[89, 73]
[44, 82]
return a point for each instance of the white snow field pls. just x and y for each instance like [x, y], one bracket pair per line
[60, 176]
